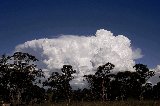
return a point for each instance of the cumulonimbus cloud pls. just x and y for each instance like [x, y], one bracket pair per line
[84, 53]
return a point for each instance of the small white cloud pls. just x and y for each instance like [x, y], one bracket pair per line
[137, 53]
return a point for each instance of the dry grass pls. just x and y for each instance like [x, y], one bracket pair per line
[108, 103]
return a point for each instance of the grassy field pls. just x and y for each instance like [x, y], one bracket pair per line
[108, 103]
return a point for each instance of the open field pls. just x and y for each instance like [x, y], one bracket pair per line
[109, 103]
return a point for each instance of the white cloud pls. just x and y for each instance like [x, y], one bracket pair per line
[137, 53]
[156, 77]
[83, 53]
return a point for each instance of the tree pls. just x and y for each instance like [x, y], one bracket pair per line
[148, 91]
[60, 82]
[94, 91]
[100, 80]
[34, 94]
[4, 78]
[120, 85]
[126, 85]
[19, 73]
[156, 91]
[144, 74]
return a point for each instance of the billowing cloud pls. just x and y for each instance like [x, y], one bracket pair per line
[156, 77]
[84, 53]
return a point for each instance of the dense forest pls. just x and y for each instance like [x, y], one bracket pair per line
[21, 83]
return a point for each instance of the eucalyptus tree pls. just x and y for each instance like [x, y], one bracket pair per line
[19, 72]
[120, 85]
[144, 74]
[100, 80]
[4, 78]
[59, 82]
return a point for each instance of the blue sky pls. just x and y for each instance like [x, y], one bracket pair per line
[23, 20]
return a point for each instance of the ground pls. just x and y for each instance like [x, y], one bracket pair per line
[108, 103]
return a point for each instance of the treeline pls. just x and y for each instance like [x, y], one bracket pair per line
[21, 83]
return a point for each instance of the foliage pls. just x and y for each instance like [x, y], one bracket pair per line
[100, 80]
[20, 81]
[18, 73]
[60, 83]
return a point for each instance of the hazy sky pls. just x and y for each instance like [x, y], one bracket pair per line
[23, 20]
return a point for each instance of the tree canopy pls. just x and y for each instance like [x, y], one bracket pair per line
[20, 80]
[18, 74]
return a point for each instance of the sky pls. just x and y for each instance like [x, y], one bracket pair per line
[24, 20]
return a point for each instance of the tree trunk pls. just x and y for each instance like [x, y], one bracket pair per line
[103, 91]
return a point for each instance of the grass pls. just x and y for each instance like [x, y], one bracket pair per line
[108, 103]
